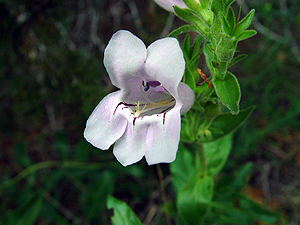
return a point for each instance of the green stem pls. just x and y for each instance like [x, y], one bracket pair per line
[163, 193]
[202, 158]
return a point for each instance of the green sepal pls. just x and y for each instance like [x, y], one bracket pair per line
[228, 3]
[198, 107]
[194, 199]
[246, 34]
[224, 124]
[123, 215]
[206, 4]
[229, 92]
[192, 4]
[212, 109]
[183, 29]
[218, 6]
[189, 16]
[226, 48]
[244, 23]
[217, 27]
[237, 59]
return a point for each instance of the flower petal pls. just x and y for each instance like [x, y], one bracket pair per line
[168, 4]
[130, 148]
[186, 96]
[103, 128]
[163, 138]
[165, 63]
[124, 57]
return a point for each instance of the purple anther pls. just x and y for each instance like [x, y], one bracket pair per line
[154, 83]
[146, 85]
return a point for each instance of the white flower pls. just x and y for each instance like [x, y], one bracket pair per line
[143, 117]
[168, 4]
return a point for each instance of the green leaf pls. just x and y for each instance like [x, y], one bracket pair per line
[246, 34]
[228, 90]
[96, 194]
[234, 182]
[217, 153]
[191, 56]
[257, 211]
[186, 47]
[246, 212]
[209, 55]
[237, 59]
[123, 215]
[226, 26]
[189, 78]
[244, 23]
[230, 18]
[225, 123]
[27, 213]
[196, 45]
[232, 207]
[183, 29]
[183, 168]
[194, 200]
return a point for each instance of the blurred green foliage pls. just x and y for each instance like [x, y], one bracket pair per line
[52, 76]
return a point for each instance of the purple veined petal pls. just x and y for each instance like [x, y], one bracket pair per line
[130, 148]
[186, 96]
[165, 63]
[168, 4]
[103, 128]
[163, 138]
[124, 58]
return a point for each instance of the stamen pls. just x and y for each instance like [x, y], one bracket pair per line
[154, 83]
[143, 94]
[147, 86]
[149, 107]
[137, 109]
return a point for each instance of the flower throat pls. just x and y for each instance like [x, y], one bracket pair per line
[150, 106]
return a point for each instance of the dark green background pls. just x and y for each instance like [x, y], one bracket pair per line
[52, 76]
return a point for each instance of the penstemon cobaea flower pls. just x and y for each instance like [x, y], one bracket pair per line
[143, 117]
